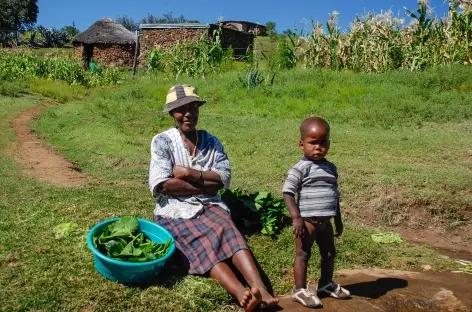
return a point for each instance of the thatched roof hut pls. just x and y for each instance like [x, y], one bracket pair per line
[106, 31]
[107, 42]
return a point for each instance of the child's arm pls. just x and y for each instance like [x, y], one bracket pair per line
[338, 221]
[297, 221]
[290, 188]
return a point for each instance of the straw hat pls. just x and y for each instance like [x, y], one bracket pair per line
[180, 95]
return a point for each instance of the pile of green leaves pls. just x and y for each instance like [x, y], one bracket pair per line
[256, 211]
[122, 240]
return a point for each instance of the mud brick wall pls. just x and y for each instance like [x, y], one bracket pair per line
[78, 50]
[251, 28]
[165, 38]
[113, 54]
[240, 42]
[108, 54]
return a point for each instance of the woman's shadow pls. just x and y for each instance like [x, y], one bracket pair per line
[176, 269]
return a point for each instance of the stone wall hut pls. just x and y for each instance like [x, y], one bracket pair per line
[109, 43]
[165, 36]
[247, 27]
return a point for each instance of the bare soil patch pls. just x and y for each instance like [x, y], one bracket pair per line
[452, 245]
[40, 161]
[397, 291]
[392, 209]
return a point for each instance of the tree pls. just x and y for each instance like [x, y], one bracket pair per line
[16, 16]
[270, 28]
[71, 31]
[271, 31]
[167, 18]
[52, 37]
[128, 22]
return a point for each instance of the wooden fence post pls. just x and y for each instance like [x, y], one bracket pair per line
[136, 49]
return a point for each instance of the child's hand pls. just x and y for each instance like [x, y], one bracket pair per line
[298, 226]
[339, 227]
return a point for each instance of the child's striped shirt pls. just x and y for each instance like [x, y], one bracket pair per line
[316, 186]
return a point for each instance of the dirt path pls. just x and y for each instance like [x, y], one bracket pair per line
[40, 161]
[396, 291]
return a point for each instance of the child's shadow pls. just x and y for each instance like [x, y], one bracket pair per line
[376, 289]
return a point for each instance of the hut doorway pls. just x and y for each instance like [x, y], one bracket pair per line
[88, 54]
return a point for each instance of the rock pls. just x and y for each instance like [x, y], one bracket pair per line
[426, 267]
[448, 301]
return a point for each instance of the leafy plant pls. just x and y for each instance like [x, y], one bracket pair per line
[64, 229]
[156, 60]
[255, 77]
[386, 238]
[122, 240]
[257, 210]
[52, 37]
[286, 57]
[193, 58]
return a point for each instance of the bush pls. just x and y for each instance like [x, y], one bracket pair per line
[12, 89]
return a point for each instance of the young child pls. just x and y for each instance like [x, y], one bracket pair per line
[314, 181]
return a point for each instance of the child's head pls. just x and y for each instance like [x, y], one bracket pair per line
[314, 138]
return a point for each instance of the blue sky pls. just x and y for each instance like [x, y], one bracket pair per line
[286, 14]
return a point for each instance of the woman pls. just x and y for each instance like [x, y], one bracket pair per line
[188, 167]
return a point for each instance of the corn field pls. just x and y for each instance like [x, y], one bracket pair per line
[22, 65]
[382, 42]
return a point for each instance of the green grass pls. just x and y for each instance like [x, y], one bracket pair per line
[386, 144]
[414, 157]
[264, 47]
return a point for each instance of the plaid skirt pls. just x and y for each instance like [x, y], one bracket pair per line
[205, 241]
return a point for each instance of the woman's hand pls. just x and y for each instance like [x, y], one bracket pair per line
[180, 173]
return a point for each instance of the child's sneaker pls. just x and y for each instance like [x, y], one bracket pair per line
[306, 298]
[335, 291]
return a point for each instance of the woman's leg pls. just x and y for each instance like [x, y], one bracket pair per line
[303, 254]
[223, 274]
[244, 262]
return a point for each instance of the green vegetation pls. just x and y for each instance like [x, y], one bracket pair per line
[382, 43]
[122, 240]
[16, 16]
[400, 142]
[194, 59]
[257, 211]
[20, 66]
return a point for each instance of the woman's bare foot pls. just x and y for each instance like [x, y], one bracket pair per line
[267, 300]
[251, 299]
